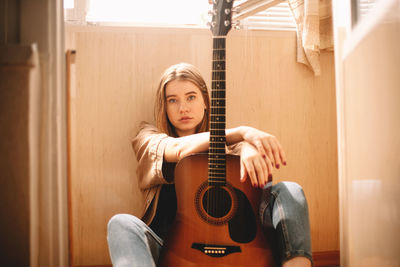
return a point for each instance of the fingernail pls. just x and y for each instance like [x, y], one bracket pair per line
[264, 156]
[284, 163]
[277, 166]
[270, 176]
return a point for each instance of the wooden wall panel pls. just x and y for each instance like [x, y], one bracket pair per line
[117, 71]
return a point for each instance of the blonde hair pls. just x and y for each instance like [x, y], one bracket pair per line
[184, 72]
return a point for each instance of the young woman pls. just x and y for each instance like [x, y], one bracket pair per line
[182, 117]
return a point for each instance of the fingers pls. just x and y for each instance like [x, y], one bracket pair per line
[243, 172]
[259, 171]
[282, 154]
[274, 151]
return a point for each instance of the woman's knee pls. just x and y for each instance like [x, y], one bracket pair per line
[123, 222]
[291, 190]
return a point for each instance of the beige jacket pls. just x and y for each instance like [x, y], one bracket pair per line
[149, 145]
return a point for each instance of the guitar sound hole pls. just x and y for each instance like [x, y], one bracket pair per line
[217, 202]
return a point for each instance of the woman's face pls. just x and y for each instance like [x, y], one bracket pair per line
[185, 106]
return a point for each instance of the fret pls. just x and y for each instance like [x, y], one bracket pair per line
[217, 180]
[217, 160]
[220, 150]
[216, 175]
[218, 57]
[217, 133]
[217, 166]
[218, 110]
[220, 170]
[217, 155]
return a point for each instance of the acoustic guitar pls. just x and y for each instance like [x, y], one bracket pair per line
[217, 221]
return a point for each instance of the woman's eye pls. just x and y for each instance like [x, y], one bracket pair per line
[192, 97]
[171, 100]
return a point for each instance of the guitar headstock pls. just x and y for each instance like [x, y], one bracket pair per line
[221, 22]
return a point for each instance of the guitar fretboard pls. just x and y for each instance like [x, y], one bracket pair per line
[216, 154]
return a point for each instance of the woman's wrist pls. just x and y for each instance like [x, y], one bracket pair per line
[235, 135]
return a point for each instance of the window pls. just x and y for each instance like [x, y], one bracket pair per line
[68, 4]
[171, 13]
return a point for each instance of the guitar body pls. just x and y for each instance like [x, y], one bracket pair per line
[203, 235]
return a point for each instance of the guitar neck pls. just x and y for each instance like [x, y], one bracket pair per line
[216, 154]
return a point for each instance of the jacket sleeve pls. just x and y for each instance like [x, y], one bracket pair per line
[149, 145]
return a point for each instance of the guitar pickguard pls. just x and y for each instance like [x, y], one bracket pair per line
[243, 225]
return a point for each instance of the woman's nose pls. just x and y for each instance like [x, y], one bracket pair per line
[183, 107]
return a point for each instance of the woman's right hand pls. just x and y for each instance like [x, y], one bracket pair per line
[267, 144]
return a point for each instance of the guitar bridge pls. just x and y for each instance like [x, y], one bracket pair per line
[216, 250]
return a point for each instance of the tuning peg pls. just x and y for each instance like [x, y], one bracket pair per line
[211, 24]
[227, 22]
[212, 12]
[227, 11]
[236, 10]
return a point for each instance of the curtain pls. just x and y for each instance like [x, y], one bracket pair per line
[314, 30]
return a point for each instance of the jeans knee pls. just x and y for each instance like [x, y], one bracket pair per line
[291, 190]
[121, 222]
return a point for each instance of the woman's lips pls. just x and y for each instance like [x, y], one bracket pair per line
[185, 119]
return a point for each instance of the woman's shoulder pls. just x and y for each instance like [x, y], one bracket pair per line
[146, 131]
[148, 138]
[146, 126]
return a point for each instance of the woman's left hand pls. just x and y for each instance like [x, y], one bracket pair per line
[267, 144]
[254, 166]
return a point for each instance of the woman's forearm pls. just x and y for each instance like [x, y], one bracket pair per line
[180, 147]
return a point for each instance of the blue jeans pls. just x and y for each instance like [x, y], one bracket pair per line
[132, 243]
